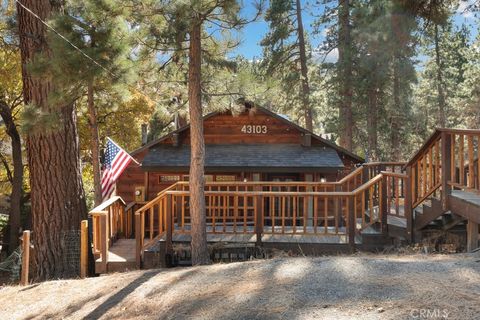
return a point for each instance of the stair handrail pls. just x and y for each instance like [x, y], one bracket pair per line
[108, 223]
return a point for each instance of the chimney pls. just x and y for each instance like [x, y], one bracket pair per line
[144, 133]
[307, 140]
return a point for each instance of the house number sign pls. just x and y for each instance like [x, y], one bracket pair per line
[254, 129]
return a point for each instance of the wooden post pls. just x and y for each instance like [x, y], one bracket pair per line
[472, 235]
[169, 229]
[383, 207]
[138, 239]
[446, 168]
[104, 242]
[337, 207]
[351, 222]
[365, 179]
[83, 248]
[259, 219]
[408, 210]
[25, 258]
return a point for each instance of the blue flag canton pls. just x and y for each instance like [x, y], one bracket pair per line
[110, 154]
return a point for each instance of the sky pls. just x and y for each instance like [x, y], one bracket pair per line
[252, 34]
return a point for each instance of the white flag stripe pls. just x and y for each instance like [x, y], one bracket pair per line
[121, 166]
[119, 159]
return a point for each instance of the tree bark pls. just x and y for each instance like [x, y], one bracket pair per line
[57, 196]
[440, 91]
[197, 162]
[17, 178]
[372, 123]
[94, 145]
[395, 116]
[307, 109]
[345, 74]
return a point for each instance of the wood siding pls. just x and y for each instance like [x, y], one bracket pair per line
[224, 129]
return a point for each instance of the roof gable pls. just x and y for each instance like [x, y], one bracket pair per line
[218, 126]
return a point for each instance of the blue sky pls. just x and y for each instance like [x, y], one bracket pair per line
[253, 33]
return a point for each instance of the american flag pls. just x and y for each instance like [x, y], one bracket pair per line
[116, 160]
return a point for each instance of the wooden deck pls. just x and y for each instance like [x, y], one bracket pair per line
[469, 197]
[121, 256]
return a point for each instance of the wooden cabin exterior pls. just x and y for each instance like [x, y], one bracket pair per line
[254, 145]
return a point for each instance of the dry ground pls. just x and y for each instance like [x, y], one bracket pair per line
[339, 287]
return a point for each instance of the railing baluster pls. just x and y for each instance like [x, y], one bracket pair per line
[461, 151]
[471, 160]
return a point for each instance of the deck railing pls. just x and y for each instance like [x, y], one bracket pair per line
[449, 159]
[464, 153]
[109, 221]
[276, 208]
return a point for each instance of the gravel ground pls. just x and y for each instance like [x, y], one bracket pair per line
[336, 287]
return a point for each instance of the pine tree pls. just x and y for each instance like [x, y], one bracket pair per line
[179, 28]
[285, 53]
[98, 29]
[57, 197]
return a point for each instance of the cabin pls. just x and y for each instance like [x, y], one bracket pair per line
[272, 184]
[253, 145]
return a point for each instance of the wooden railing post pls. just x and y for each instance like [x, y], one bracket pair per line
[445, 170]
[83, 248]
[337, 207]
[104, 239]
[259, 219]
[408, 201]
[383, 205]
[25, 258]
[472, 235]
[352, 224]
[138, 239]
[169, 231]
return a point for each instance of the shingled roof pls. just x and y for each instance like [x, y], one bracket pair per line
[251, 156]
[250, 105]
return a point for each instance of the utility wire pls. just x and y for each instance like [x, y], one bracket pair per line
[80, 50]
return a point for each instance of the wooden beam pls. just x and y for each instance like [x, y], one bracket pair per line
[408, 205]
[446, 171]
[351, 222]
[104, 243]
[25, 258]
[169, 229]
[83, 248]
[138, 240]
[259, 219]
[464, 208]
[472, 235]
[383, 205]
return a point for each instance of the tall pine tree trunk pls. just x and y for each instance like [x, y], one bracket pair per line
[307, 109]
[57, 196]
[17, 178]
[345, 74]
[395, 116]
[94, 144]
[372, 123]
[197, 162]
[440, 92]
